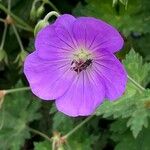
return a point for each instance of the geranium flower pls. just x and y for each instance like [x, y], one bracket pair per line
[74, 64]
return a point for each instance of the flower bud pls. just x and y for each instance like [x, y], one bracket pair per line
[3, 56]
[33, 13]
[40, 11]
[41, 24]
[20, 58]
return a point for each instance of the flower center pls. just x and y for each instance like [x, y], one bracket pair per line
[81, 61]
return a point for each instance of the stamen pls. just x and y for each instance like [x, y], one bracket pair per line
[81, 65]
[81, 60]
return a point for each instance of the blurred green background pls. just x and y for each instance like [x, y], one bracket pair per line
[122, 125]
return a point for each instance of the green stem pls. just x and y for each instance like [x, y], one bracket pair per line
[17, 90]
[17, 19]
[4, 36]
[9, 5]
[53, 145]
[5, 28]
[51, 4]
[2, 113]
[136, 84]
[35, 1]
[18, 37]
[21, 27]
[40, 133]
[2, 20]
[68, 146]
[77, 127]
[52, 13]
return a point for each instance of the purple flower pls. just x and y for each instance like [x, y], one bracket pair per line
[75, 65]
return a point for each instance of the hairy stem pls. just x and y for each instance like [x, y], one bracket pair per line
[18, 37]
[77, 127]
[9, 5]
[40, 133]
[4, 36]
[136, 84]
[35, 1]
[51, 4]
[2, 113]
[17, 19]
[52, 13]
[2, 20]
[17, 90]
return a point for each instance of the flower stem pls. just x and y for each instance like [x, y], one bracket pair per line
[5, 28]
[22, 27]
[18, 37]
[3, 37]
[35, 1]
[52, 13]
[40, 133]
[17, 19]
[136, 84]
[77, 127]
[2, 20]
[51, 4]
[9, 5]
[2, 113]
[17, 90]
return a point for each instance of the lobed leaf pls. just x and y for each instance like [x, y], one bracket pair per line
[19, 109]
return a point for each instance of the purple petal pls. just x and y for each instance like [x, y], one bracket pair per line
[112, 72]
[48, 79]
[65, 21]
[95, 34]
[84, 96]
[55, 38]
[63, 28]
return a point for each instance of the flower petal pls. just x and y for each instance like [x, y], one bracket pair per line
[63, 28]
[55, 38]
[112, 72]
[95, 34]
[84, 96]
[48, 79]
[65, 20]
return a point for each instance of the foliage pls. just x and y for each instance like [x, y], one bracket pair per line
[42, 145]
[136, 12]
[125, 140]
[19, 109]
[120, 125]
[132, 104]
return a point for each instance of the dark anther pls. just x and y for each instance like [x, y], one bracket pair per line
[78, 66]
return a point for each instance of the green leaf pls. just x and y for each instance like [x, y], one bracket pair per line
[138, 120]
[122, 108]
[45, 145]
[134, 18]
[59, 123]
[125, 140]
[64, 124]
[19, 109]
[139, 117]
[136, 68]
[142, 44]
[132, 105]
